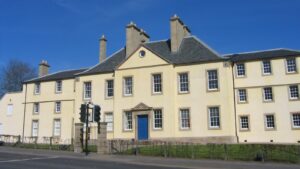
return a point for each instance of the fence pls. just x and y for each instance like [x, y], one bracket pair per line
[246, 152]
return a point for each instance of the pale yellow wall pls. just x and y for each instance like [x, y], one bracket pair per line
[12, 124]
[281, 107]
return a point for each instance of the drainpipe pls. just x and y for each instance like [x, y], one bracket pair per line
[24, 113]
[234, 102]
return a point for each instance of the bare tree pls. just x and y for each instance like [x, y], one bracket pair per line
[14, 74]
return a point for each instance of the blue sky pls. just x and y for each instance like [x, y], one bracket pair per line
[66, 32]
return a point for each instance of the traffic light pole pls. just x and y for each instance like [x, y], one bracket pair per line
[86, 130]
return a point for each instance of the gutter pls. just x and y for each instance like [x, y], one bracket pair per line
[24, 115]
[234, 102]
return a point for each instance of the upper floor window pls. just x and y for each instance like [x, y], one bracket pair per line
[291, 65]
[158, 119]
[267, 69]
[56, 127]
[109, 88]
[57, 107]
[35, 128]
[36, 108]
[268, 94]
[156, 83]
[185, 119]
[183, 82]
[240, 70]
[9, 110]
[128, 120]
[108, 118]
[242, 95]
[87, 90]
[270, 121]
[212, 76]
[244, 123]
[128, 86]
[58, 86]
[294, 92]
[214, 117]
[37, 88]
[296, 120]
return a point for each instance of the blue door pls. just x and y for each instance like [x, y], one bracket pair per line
[142, 127]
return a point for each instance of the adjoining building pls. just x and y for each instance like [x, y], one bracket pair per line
[177, 89]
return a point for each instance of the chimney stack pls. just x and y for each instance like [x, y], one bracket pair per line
[178, 32]
[134, 37]
[43, 68]
[102, 49]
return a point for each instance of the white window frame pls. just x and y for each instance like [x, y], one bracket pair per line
[109, 88]
[157, 119]
[58, 86]
[58, 107]
[291, 92]
[10, 110]
[265, 67]
[127, 87]
[214, 79]
[56, 130]
[240, 96]
[242, 122]
[36, 129]
[37, 88]
[186, 82]
[293, 120]
[36, 108]
[237, 69]
[265, 94]
[128, 121]
[287, 65]
[157, 84]
[185, 122]
[110, 122]
[87, 96]
[267, 122]
[216, 117]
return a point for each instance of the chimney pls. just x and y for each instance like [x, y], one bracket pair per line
[102, 48]
[134, 37]
[43, 68]
[178, 32]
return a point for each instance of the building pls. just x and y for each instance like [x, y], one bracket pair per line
[177, 89]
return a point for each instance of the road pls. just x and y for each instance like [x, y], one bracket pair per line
[15, 158]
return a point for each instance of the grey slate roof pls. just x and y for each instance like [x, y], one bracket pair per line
[260, 55]
[68, 74]
[191, 50]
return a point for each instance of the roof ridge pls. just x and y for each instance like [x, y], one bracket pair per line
[266, 50]
[204, 44]
[156, 41]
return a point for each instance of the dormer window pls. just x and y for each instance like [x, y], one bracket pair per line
[37, 88]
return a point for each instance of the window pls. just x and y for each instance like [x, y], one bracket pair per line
[58, 87]
[294, 92]
[268, 95]
[296, 120]
[240, 70]
[183, 83]
[128, 86]
[185, 119]
[214, 117]
[244, 122]
[156, 83]
[56, 127]
[87, 91]
[35, 128]
[36, 108]
[158, 119]
[9, 110]
[242, 94]
[37, 88]
[108, 118]
[109, 88]
[212, 80]
[270, 121]
[142, 53]
[128, 121]
[267, 69]
[291, 65]
[57, 107]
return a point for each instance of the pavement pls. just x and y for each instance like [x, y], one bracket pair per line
[17, 158]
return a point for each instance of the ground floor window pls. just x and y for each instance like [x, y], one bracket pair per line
[35, 128]
[270, 121]
[185, 119]
[158, 119]
[128, 121]
[109, 120]
[244, 122]
[296, 120]
[214, 117]
[56, 127]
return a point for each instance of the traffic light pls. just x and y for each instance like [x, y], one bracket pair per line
[97, 113]
[83, 113]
